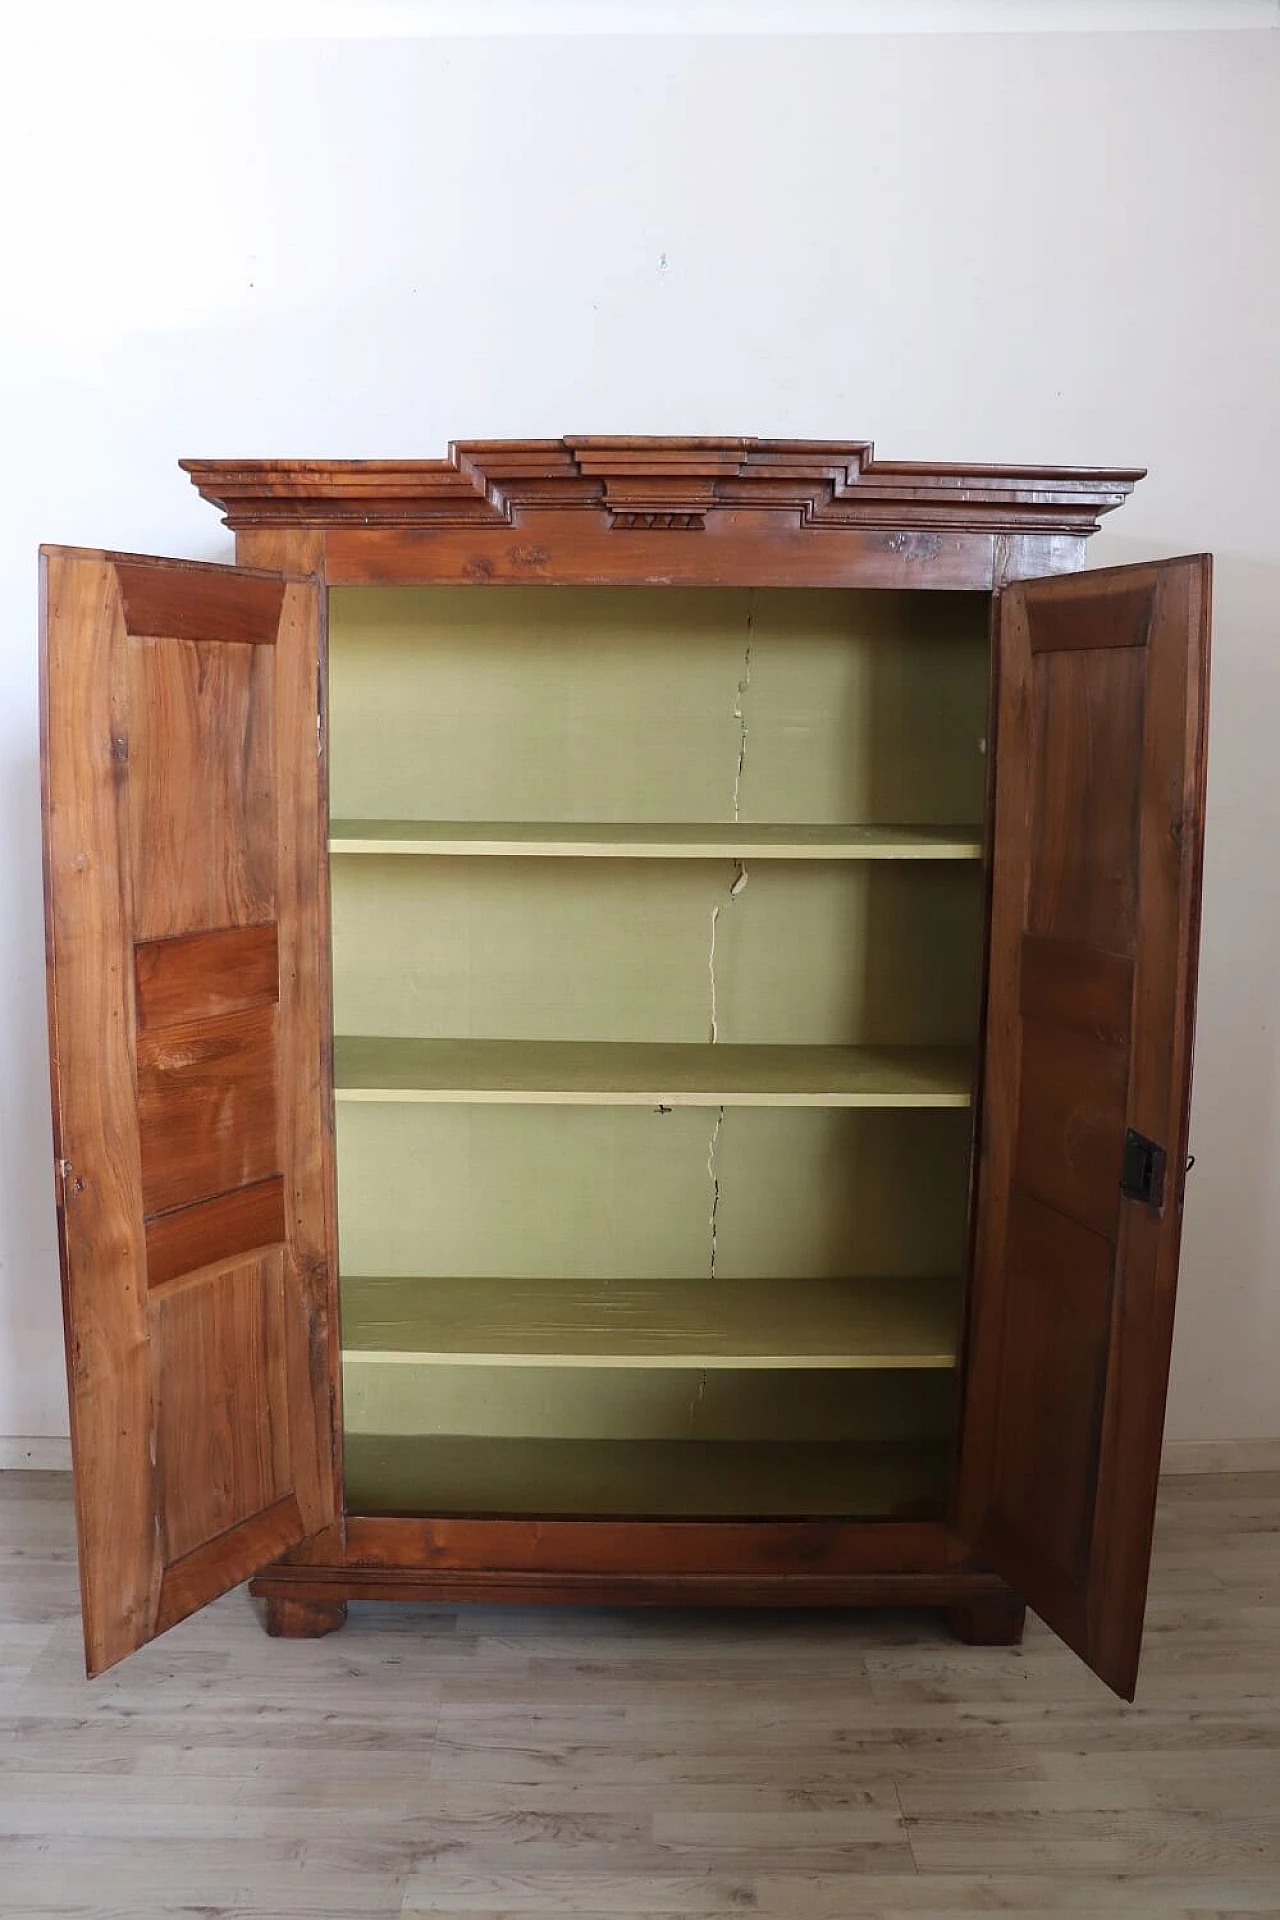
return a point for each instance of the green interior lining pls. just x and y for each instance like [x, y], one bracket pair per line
[563, 706]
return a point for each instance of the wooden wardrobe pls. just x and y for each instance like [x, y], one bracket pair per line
[621, 1023]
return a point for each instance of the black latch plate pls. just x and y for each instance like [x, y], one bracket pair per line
[1142, 1173]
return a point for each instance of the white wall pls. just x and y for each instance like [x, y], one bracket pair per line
[986, 248]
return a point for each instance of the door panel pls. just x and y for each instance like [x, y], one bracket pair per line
[1100, 762]
[222, 1421]
[207, 1107]
[203, 851]
[185, 893]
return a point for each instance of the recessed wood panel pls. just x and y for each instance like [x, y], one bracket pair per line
[194, 1237]
[201, 974]
[1069, 985]
[203, 850]
[222, 1437]
[1088, 710]
[1117, 619]
[207, 1107]
[1052, 1383]
[199, 604]
[1071, 1123]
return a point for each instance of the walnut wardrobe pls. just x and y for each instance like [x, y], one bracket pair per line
[621, 1021]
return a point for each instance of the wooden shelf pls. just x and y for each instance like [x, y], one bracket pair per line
[605, 841]
[607, 1073]
[682, 1479]
[729, 1324]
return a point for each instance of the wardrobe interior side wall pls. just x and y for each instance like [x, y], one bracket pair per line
[589, 1305]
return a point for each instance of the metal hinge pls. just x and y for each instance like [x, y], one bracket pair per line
[1142, 1171]
[69, 1188]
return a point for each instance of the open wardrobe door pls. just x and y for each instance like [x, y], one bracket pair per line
[185, 890]
[1101, 717]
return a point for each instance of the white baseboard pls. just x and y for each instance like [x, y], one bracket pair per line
[1221, 1456]
[44, 1453]
[51, 1453]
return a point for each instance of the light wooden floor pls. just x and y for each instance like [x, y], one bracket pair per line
[428, 1762]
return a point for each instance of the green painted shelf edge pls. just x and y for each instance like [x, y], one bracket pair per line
[610, 1073]
[713, 840]
[728, 1324]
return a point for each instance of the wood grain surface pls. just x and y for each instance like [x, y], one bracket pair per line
[206, 973]
[1095, 915]
[187, 887]
[181, 854]
[694, 511]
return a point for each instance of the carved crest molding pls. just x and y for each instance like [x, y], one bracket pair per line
[662, 485]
